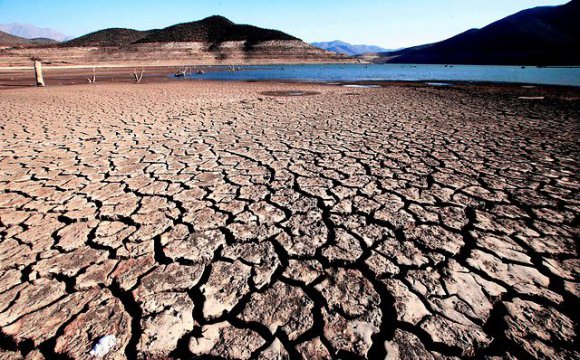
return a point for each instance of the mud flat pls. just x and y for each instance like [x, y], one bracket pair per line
[187, 219]
[13, 77]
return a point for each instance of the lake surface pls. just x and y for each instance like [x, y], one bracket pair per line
[398, 72]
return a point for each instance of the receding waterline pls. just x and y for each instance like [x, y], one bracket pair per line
[566, 76]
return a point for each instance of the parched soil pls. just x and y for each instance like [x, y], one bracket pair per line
[207, 219]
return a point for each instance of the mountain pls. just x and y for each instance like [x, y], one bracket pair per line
[211, 30]
[214, 29]
[213, 40]
[548, 35]
[341, 47]
[28, 31]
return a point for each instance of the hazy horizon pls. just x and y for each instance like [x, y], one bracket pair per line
[394, 24]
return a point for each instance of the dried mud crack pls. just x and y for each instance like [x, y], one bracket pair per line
[250, 221]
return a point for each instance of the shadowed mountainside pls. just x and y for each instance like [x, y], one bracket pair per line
[548, 35]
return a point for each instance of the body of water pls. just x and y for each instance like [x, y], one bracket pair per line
[398, 72]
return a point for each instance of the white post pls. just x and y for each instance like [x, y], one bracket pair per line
[38, 73]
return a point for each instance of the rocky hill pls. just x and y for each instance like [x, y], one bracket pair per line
[548, 35]
[214, 40]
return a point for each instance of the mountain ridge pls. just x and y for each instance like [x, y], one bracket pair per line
[345, 48]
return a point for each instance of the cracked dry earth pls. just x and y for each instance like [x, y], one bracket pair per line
[207, 220]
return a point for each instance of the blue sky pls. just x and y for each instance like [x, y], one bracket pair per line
[388, 23]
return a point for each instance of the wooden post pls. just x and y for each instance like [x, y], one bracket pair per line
[38, 73]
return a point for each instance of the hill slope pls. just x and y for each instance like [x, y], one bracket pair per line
[538, 36]
[342, 47]
[11, 40]
[108, 37]
[43, 41]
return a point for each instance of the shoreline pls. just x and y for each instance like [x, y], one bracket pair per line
[100, 66]
[79, 74]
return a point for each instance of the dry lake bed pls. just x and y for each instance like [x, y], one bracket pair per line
[289, 221]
